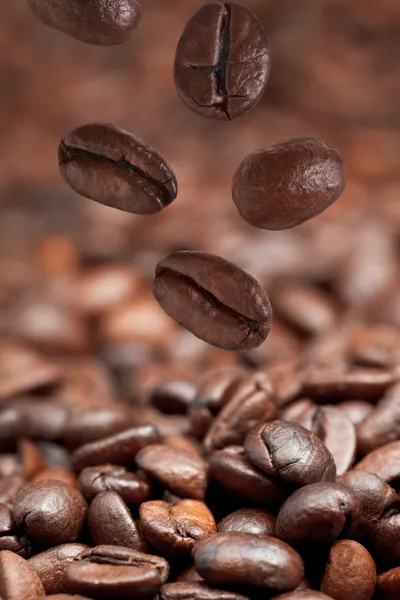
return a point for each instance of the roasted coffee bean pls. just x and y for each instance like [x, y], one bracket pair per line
[102, 288]
[63, 597]
[189, 574]
[196, 591]
[50, 512]
[249, 520]
[222, 62]
[18, 579]
[303, 595]
[10, 538]
[110, 522]
[92, 22]
[115, 572]
[42, 419]
[383, 461]
[251, 560]
[174, 529]
[317, 514]
[214, 299]
[356, 410]
[181, 473]
[50, 565]
[9, 487]
[289, 453]
[252, 402]
[385, 546]
[59, 474]
[110, 165]
[111, 478]
[375, 346]
[174, 397]
[289, 183]
[11, 428]
[338, 384]
[31, 459]
[383, 425]
[86, 426]
[350, 572]
[388, 585]
[119, 449]
[54, 455]
[374, 497]
[234, 472]
[181, 442]
[294, 412]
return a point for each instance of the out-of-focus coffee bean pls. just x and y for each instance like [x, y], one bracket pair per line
[383, 461]
[250, 560]
[132, 488]
[87, 382]
[50, 565]
[181, 442]
[18, 579]
[86, 426]
[103, 288]
[286, 382]
[59, 474]
[383, 425]
[182, 473]
[356, 410]
[303, 595]
[295, 411]
[375, 346]
[331, 384]
[10, 538]
[11, 428]
[196, 591]
[385, 546]
[249, 520]
[388, 584]
[31, 459]
[55, 455]
[9, 487]
[174, 396]
[42, 419]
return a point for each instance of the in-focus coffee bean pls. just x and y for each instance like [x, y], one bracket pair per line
[112, 166]
[249, 520]
[222, 62]
[285, 185]
[214, 299]
[50, 565]
[111, 478]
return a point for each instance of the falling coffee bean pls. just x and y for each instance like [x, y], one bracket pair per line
[112, 166]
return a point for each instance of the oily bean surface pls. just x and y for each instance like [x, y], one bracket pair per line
[213, 299]
[285, 185]
[249, 520]
[18, 579]
[112, 166]
[222, 62]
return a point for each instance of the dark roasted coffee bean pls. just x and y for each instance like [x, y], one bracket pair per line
[285, 185]
[383, 461]
[180, 472]
[234, 472]
[249, 520]
[289, 453]
[250, 560]
[110, 165]
[110, 522]
[111, 478]
[383, 425]
[388, 585]
[42, 419]
[196, 591]
[86, 426]
[11, 428]
[18, 579]
[356, 410]
[338, 384]
[374, 497]
[222, 62]
[10, 537]
[252, 402]
[54, 454]
[50, 565]
[174, 529]
[317, 514]
[174, 397]
[214, 299]
[93, 21]
[385, 546]
[9, 488]
[119, 449]
[115, 572]
[50, 512]
[350, 572]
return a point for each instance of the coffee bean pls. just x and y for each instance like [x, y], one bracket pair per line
[107, 164]
[42, 419]
[59, 474]
[213, 299]
[296, 411]
[383, 461]
[303, 595]
[174, 529]
[102, 288]
[289, 453]
[174, 396]
[250, 560]
[233, 471]
[331, 384]
[375, 346]
[86, 426]
[63, 597]
[112, 571]
[9, 487]
[356, 410]
[10, 538]
[196, 591]
[18, 579]
[189, 574]
[222, 62]
[385, 545]
[285, 185]
[111, 478]
[92, 22]
[252, 402]
[50, 565]
[181, 473]
[350, 572]
[317, 514]
[50, 512]
[249, 520]
[181, 442]
[383, 425]
[119, 449]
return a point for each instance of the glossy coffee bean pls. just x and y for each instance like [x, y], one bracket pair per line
[42, 419]
[115, 572]
[112, 478]
[250, 560]
[350, 572]
[249, 520]
[180, 472]
[10, 537]
[50, 512]
[285, 185]
[196, 591]
[92, 22]
[383, 461]
[50, 565]
[86, 426]
[118, 449]
[174, 529]
[222, 62]
[338, 384]
[383, 425]
[317, 514]
[18, 579]
[289, 453]
[385, 546]
[110, 165]
[174, 397]
[214, 299]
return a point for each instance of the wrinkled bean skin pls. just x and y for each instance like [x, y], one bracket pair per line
[245, 559]
[289, 453]
[113, 167]
[222, 62]
[285, 185]
[91, 21]
[213, 299]
[249, 520]
[50, 565]
[112, 478]
[350, 572]
[196, 591]
[18, 579]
